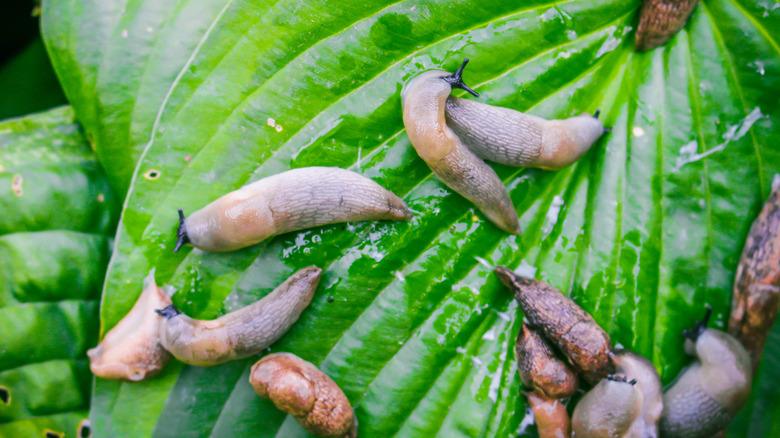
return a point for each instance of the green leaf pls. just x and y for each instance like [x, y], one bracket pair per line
[642, 232]
[54, 250]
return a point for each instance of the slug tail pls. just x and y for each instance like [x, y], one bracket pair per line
[181, 233]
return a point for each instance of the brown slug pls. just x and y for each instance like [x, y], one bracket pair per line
[550, 416]
[243, 332]
[300, 389]
[648, 382]
[609, 410]
[660, 20]
[131, 350]
[423, 99]
[707, 394]
[565, 324]
[516, 139]
[756, 297]
[293, 200]
[539, 369]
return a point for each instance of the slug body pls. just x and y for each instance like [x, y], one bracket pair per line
[550, 416]
[540, 370]
[707, 394]
[609, 410]
[660, 20]
[131, 350]
[243, 332]
[565, 324]
[300, 389]
[292, 200]
[424, 99]
[516, 139]
[648, 382]
[756, 296]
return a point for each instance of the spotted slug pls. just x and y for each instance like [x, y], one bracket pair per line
[756, 297]
[609, 410]
[241, 333]
[660, 20]
[298, 388]
[423, 99]
[131, 350]
[565, 324]
[707, 394]
[289, 201]
[513, 138]
[648, 382]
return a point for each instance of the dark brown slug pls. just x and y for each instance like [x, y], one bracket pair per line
[660, 20]
[540, 370]
[756, 296]
[300, 389]
[565, 324]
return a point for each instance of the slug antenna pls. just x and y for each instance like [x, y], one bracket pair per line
[700, 326]
[596, 114]
[456, 79]
[168, 312]
[181, 233]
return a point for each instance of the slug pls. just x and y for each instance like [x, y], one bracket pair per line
[707, 395]
[516, 139]
[550, 416]
[648, 382]
[539, 369]
[609, 410]
[292, 200]
[131, 350]
[423, 100]
[565, 324]
[243, 332]
[756, 296]
[298, 388]
[660, 20]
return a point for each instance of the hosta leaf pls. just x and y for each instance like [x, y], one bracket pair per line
[58, 214]
[643, 231]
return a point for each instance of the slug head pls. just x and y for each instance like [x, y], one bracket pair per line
[181, 233]
[565, 141]
[456, 79]
[609, 409]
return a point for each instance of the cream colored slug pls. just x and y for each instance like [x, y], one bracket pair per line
[712, 390]
[648, 382]
[131, 350]
[609, 410]
[292, 200]
[423, 100]
[243, 332]
[516, 139]
[298, 388]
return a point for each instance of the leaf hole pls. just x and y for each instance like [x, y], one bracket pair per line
[152, 175]
[51, 434]
[85, 429]
[5, 395]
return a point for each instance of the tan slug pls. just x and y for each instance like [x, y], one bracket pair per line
[539, 369]
[648, 382]
[241, 333]
[565, 324]
[609, 410]
[660, 20]
[550, 381]
[293, 200]
[707, 394]
[756, 296]
[516, 139]
[300, 389]
[131, 350]
[423, 100]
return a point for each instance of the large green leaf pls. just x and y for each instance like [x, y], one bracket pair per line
[642, 232]
[55, 240]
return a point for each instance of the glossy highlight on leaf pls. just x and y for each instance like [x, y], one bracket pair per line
[642, 231]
